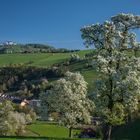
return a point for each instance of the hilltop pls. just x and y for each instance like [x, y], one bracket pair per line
[10, 47]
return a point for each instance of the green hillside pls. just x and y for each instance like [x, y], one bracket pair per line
[24, 75]
[45, 60]
[48, 60]
[38, 59]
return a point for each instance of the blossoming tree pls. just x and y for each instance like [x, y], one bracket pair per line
[68, 97]
[118, 86]
[11, 122]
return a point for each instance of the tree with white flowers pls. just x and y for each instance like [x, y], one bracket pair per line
[5, 124]
[118, 86]
[68, 97]
[11, 122]
[18, 122]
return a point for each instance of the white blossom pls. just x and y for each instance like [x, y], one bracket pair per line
[118, 87]
[68, 97]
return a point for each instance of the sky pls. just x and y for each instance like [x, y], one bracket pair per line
[56, 22]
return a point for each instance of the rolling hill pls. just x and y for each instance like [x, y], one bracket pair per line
[12, 48]
[49, 60]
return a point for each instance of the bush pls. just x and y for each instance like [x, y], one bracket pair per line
[75, 58]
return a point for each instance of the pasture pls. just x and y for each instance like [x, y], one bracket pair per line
[44, 130]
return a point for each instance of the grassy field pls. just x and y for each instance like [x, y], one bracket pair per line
[43, 130]
[46, 131]
[50, 130]
[38, 59]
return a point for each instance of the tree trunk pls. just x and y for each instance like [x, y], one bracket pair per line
[70, 132]
[107, 132]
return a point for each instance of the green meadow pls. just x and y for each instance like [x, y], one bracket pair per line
[46, 131]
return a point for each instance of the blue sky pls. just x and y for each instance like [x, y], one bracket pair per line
[56, 22]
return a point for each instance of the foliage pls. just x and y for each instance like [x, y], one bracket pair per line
[118, 87]
[11, 121]
[31, 48]
[19, 122]
[68, 97]
[30, 114]
[129, 131]
[43, 109]
[41, 61]
[71, 102]
[75, 58]
[26, 82]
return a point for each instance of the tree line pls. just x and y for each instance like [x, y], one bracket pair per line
[32, 48]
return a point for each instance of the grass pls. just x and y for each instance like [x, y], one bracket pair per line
[44, 130]
[50, 130]
[39, 138]
[40, 60]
